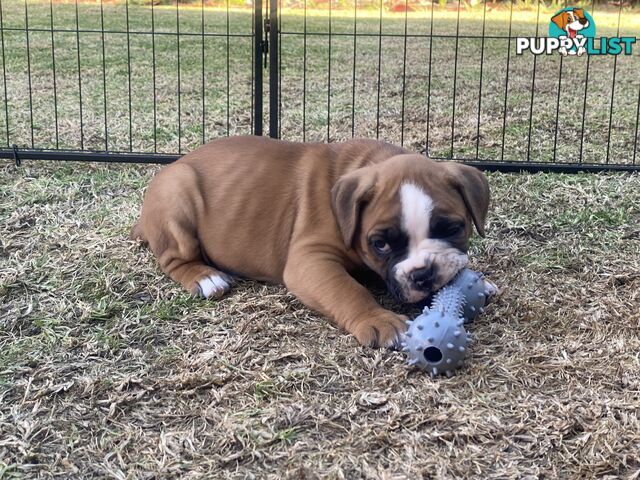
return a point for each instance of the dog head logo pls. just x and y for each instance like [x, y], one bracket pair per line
[572, 31]
[574, 24]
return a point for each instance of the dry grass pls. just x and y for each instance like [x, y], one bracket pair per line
[108, 369]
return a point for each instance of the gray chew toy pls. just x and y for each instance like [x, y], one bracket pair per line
[436, 341]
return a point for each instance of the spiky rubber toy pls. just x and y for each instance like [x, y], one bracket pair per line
[436, 341]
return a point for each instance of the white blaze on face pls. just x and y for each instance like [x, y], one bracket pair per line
[417, 208]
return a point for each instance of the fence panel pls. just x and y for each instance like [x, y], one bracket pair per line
[447, 80]
[113, 78]
[145, 83]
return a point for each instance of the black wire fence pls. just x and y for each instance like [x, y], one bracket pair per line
[124, 82]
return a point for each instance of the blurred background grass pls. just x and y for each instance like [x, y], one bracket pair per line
[400, 81]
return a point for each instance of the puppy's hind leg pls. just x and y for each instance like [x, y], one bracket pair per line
[169, 224]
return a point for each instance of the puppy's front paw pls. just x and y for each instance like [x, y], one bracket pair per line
[381, 329]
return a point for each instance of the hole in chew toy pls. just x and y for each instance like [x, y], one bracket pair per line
[432, 354]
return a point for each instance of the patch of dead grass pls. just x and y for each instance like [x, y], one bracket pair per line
[108, 369]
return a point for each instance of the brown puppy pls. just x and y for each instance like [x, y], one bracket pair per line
[307, 214]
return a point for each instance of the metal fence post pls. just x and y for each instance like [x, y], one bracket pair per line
[259, 47]
[274, 101]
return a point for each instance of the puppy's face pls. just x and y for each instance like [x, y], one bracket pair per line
[571, 21]
[410, 219]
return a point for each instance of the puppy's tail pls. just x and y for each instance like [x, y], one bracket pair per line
[137, 233]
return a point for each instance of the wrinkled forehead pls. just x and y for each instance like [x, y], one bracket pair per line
[430, 176]
[423, 204]
[412, 204]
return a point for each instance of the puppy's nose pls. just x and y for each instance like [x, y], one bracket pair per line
[583, 21]
[423, 277]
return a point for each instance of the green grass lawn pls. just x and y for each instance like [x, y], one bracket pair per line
[404, 93]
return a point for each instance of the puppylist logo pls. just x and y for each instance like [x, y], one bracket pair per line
[572, 31]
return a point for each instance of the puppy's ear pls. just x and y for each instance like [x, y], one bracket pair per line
[473, 187]
[561, 20]
[348, 197]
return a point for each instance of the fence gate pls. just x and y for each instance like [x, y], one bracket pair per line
[125, 82]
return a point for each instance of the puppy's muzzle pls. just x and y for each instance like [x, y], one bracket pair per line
[423, 278]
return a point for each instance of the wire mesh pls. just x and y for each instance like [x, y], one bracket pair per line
[446, 80]
[104, 80]
[123, 77]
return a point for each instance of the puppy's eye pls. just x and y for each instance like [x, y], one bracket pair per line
[447, 229]
[454, 229]
[381, 246]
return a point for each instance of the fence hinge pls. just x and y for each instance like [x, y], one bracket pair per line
[16, 158]
[265, 41]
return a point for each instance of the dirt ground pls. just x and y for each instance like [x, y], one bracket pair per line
[108, 369]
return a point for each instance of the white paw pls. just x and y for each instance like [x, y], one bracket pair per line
[214, 286]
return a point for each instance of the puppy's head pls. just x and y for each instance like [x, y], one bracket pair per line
[410, 218]
[571, 21]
